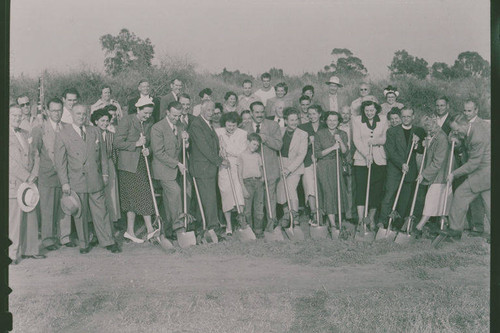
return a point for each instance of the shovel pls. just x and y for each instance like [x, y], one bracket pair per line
[245, 233]
[185, 238]
[443, 219]
[317, 231]
[362, 234]
[291, 232]
[402, 238]
[389, 234]
[270, 235]
[158, 236]
[336, 232]
[207, 236]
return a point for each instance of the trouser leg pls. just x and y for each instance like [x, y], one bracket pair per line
[100, 217]
[391, 187]
[172, 202]
[15, 219]
[29, 234]
[208, 194]
[49, 214]
[82, 222]
[462, 198]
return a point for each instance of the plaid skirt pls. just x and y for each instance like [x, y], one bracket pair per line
[135, 194]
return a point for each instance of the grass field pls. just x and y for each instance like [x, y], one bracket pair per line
[309, 286]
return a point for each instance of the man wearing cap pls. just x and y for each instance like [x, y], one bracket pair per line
[332, 101]
[56, 226]
[145, 91]
[173, 96]
[82, 166]
[23, 224]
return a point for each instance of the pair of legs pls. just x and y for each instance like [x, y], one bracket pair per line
[56, 226]
[254, 204]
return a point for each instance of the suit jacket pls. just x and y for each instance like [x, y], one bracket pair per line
[204, 159]
[397, 152]
[21, 166]
[437, 160]
[271, 130]
[81, 164]
[324, 101]
[156, 110]
[296, 152]
[270, 104]
[360, 136]
[127, 133]
[167, 150]
[446, 125]
[307, 127]
[478, 165]
[43, 143]
[164, 101]
[190, 120]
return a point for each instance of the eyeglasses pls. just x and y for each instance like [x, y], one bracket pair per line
[24, 104]
[363, 89]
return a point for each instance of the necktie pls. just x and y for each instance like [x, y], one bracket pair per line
[82, 133]
[175, 130]
[258, 129]
[58, 127]
[185, 120]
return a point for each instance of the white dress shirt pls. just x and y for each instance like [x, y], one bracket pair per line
[66, 116]
[441, 120]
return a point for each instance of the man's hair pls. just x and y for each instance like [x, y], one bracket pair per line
[219, 106]
[283, 85]
[254, 137]
[255, 104]
[473, 101]
[184, 95]
[429, 115]
[205, 102]
[106, 86]
[142, 81]
[86, 107]
[443, 98]
[308, 87]
[460, 119]
[231, 117]
[206, 91]
[289, 111]
[54, 100]
[98, 114]
[229, 94]
[175, 79]
[174, 104]
[70, 91]
[407, 108]
[304, 98]
[266, 75]
[247, 81]
[21, 96]
[394, 110]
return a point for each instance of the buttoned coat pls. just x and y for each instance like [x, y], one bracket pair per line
[437, 160]
[167, 150]
[296, 152]
[204, 160]
[273, 143]
[127, 134]
[360, 136]
[79, 163]
[21, 166]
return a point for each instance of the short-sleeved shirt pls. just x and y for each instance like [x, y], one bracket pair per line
[250, 164]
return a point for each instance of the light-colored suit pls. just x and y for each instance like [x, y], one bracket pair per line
[56, 226]
[324, 101]
[294, 163]
[23, 227]
[360, 136]
[82, 164]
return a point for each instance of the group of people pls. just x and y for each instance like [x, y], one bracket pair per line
[82, 170]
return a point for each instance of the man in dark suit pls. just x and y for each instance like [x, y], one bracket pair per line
[56, 226]
[173, 96]
[205, 161]
[145, 90]
[397, 147]
[166, 144]
[477, 169]
[82, 166]
[443, 114]
[272, 141]
[186, 117]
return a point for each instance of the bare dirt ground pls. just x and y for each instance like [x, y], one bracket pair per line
[311, 286]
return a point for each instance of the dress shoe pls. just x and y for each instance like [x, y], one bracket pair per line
[35, 256]
[154, 233]
[133, 238]
[94, 241]
[85, 250]
[454, 234]
[51, 247]
[69, 244]
[113, 248]
[474, 233]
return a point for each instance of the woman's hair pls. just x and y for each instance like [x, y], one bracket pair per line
[289, 111]
[316, 107]
[394, 110]
[245, 112]
[229, 94]
[231, 117]
[327, 114]
[365, 104]
[106, 86]
[282, 84]
[98, 114]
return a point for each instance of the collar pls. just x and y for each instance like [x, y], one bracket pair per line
[172, 126]
[53, 124]
[208, 123]
[444, 116]
[406, 127]
[77, 128]
[473, 119]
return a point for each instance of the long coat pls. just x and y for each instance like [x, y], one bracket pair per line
[437, 160]
[166, 148]
[21, 166]
[297, 152]
[204, 159]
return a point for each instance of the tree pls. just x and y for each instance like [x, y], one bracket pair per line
[406, 64]
[125, 51]
[471, 64]
[344, 63]
[441, 70]
[276, 73]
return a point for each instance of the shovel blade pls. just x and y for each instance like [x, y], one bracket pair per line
[402, 238]
[385, 234]
[295, 234]
[186, 239]
[364, 236]
[320, 232]
[275, 236]
[210, 237]
[164, 243]
[246, 235]
[335, 233]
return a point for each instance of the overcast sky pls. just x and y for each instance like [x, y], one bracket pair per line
[249, 35]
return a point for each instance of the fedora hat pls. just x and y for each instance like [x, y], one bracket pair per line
[334, 80]
[27, 197]
[71, 205]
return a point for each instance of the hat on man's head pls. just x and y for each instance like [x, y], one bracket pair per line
[71, 205]
[143, 101]
[27, 197]
[334, 80]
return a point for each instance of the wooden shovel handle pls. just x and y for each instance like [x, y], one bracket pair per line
[367, 197]
[285, 185]
[339, 202]
[265, 182]
[200, 204]
[413, 202]
[149, 177]
[315, 184]
[233, 189]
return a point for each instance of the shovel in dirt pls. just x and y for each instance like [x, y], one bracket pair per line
[207, 236]
[336, 232]
[244, 233]
[362, 234]
[388, 234]
[443, 218]
[402, 238]
[317, 231]
[291, 232]
[185, 238]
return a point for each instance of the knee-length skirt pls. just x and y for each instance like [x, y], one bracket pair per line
[226, 192]
[135, 193]
[377, 180]
[434, 200]
[327, 187]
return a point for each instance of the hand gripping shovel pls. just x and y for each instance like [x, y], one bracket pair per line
[185, 238]
[158, 237]
[317, 231]
[207, 236]
[269, 233]
[244, 233]
[389, 234]
[402, 238]
[361, 233]
[291, 232]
